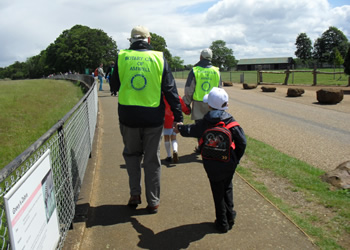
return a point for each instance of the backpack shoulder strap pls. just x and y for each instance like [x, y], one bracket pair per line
[232, 124]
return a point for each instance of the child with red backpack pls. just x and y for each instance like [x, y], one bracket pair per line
[222, 144]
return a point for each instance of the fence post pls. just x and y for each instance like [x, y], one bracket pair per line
[242, 78]
[315, 75]
[287, 76]
[260, 78]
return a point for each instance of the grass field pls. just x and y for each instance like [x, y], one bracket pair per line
[301, 78]
[28, 109]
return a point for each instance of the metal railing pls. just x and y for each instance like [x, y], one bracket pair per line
[70, 143]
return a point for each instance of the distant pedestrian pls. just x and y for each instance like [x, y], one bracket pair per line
[220, 168]
[169, 134]
[142, 76]
[109, 73]
[101, 74]
[201, 79]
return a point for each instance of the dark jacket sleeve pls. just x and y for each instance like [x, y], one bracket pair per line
[170, 92]
[240, 140]
[195, 130]
[108, 71]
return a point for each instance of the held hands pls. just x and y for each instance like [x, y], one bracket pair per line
[176, 127]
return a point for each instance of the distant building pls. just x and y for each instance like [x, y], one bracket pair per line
[274, 63]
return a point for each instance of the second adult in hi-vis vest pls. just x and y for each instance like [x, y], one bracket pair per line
[206, 79]
[140, 74]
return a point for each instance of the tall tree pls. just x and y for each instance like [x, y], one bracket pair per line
[222, 56]
[304, 47]
[80, 48]
[158, 43]
[178, 63]
[331, 39]
[338, 59]
[37, 65]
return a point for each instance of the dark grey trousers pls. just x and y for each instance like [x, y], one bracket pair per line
[143, 144]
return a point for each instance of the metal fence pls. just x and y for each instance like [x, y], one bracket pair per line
[70, 143]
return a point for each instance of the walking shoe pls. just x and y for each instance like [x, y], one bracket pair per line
[220, 228]
[175, 157]
[134, 201]
[152, 210]
[230, 224]
[168, 159]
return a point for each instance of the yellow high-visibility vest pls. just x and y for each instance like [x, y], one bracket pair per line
[206, 79]
[140, 74]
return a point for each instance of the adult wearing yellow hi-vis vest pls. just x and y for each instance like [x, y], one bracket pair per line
[201, 79]
[142, 76]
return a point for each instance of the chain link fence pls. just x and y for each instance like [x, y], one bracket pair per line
[70, 142]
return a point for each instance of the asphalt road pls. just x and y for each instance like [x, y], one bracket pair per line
[300, 127]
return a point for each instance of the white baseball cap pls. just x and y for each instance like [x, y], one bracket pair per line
[217, 98]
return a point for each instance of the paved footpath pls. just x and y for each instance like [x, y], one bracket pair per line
[186, 213]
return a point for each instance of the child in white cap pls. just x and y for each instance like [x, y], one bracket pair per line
[220, 171]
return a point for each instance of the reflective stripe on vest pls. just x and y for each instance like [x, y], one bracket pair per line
[140, 74]
[206, 79]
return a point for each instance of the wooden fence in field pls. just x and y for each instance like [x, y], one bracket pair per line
[288, 71]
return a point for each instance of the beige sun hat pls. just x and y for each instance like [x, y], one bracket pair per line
[207, 54]
[140, 32]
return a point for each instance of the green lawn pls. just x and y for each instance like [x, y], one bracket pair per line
[301, 78]
[28, 109]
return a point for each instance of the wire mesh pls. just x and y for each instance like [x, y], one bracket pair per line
[70, 144]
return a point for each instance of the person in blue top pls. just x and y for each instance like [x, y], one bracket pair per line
[142, 77]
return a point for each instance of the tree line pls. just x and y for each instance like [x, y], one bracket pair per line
[81, 48]
[332, 48]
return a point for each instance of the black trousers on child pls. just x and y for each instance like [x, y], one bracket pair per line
[223, 199]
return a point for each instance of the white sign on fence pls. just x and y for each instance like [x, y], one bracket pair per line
[31, 208]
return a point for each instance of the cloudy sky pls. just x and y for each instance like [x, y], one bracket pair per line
[251, 28]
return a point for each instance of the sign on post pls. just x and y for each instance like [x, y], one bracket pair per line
[31, 208]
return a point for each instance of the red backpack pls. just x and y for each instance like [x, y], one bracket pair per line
[96, 72]
[216, 142]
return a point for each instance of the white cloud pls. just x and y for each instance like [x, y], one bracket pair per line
[252, 28]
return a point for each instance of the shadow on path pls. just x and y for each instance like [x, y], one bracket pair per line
[174, 238]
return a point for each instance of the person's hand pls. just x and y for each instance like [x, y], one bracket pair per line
[176, 127]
